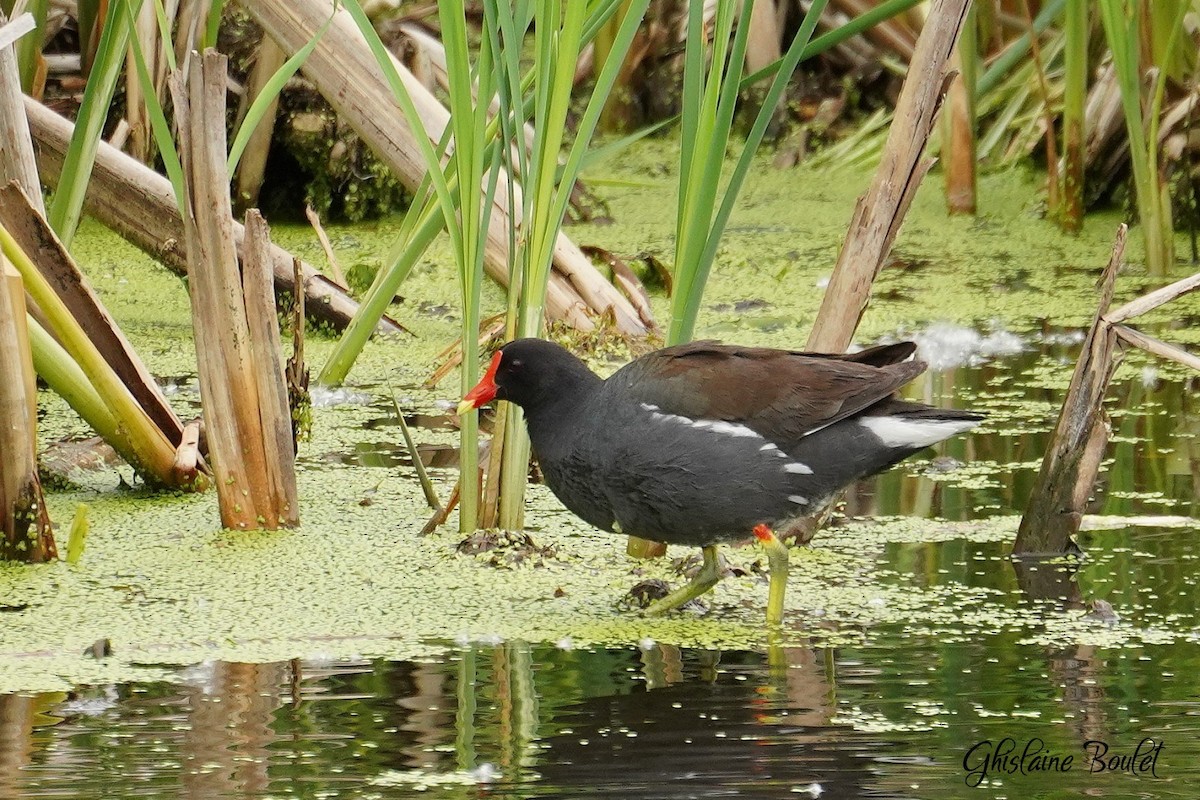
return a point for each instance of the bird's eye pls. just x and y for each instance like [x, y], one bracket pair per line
[516, 363]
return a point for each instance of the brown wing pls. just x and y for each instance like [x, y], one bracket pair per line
[781, 395]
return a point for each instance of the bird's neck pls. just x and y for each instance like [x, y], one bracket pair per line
[556, 415]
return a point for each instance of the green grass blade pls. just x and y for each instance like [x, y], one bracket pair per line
[605, 82]
[212, 24]
[270, 92]
[159, 125]
[77, 536]
[404, 101]
[164, 34]
[697, 248]
[67, 205]
[595, 155]
[789, 62]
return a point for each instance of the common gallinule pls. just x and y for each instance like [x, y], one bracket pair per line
[703, 443]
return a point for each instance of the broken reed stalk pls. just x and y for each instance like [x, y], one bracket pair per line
[1052, 517]
[426, 484]
[32, 234]
[24, 524]
[878, 214]
[119, 414]
[275, 415]
[246, 416]
[1077, 445]
[139, 204]
[314, 219]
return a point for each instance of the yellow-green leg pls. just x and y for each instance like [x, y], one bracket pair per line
[777, 562]
[706, 578]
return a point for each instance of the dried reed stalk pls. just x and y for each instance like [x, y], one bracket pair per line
[17, 160]
[275, 415]
[959, 148]
[878, 214]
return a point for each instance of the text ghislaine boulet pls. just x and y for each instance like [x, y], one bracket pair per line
[1008, 757]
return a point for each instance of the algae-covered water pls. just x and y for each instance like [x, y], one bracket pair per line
[355, 658]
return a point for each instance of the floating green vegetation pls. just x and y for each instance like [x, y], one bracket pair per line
[163, 587]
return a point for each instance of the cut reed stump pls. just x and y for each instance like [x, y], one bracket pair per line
[246, 417]
[878, 214]
[1080, 436]
[1055, 507]
[24, 524]
[139, 204]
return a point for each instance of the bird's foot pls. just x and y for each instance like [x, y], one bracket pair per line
[705, 579]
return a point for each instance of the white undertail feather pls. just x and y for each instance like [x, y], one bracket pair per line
[898, 431]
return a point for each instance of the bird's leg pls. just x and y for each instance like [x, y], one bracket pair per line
[777, 561]
[706, 578]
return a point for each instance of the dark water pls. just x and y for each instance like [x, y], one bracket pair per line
[661, 723]
[910, 714]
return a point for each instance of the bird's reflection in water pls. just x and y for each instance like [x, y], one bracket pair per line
[712, 724]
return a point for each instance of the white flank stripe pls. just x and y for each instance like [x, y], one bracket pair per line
[715, 425]
[798, 468]
[768, 446]
[798, 500]
[729, 428]
[902, 432]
